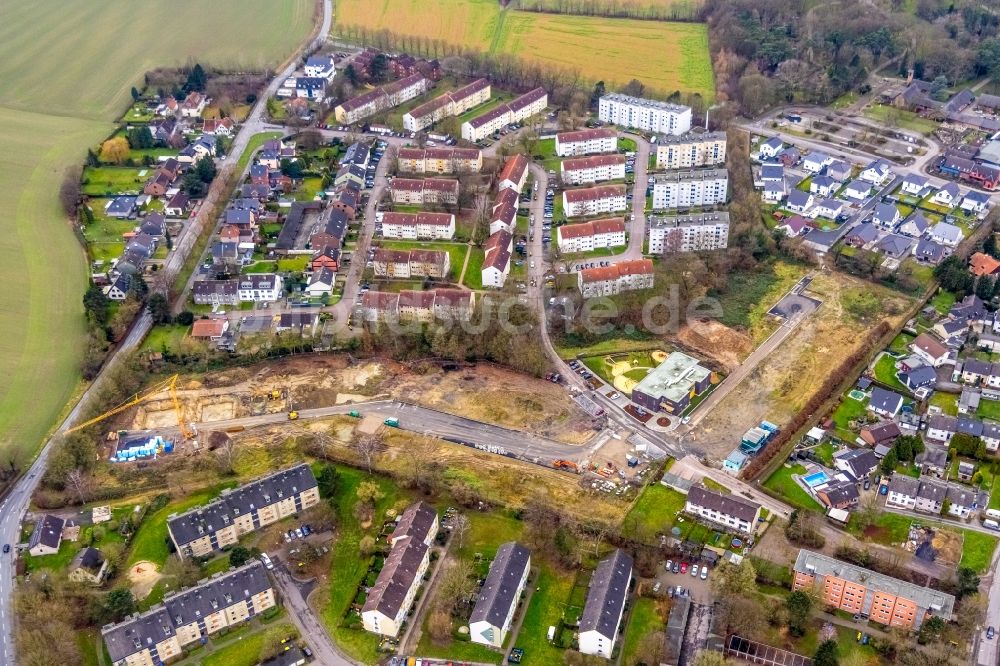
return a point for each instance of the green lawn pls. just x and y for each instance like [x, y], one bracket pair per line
[848, 410]
[892, 528]
[948, 402]
[901, 118]
[474, 269]
[295, 264]
[645, 619]
[456, 253]
[546, 150]
[348, 568]
[782, 483]
[245, 650]
[885, 372]
[150, 541]
[607, 346]
[545, 609]
[825, 453]
[989, 409]
[56, 562]
[110, 180]
[165, 337]
[899, 344]
[749, 295]
[255, 142]
[943, 300]
[655, 510]
[977, 551]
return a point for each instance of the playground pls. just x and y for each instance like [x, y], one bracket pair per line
[624, 371]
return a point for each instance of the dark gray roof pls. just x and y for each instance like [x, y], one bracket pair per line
[991, 430]
[885, 400]
[396, 578]
[500, 591]
[860, 461]
[772, 172]
[975, 366]
[198, 522]
[161, 622]
[884, 432]
[607, 594]
[840, 492]
[88, 558]
[932, 490]
[966, 497]
[48, 531]
[416, 522]
[287, 657]
[970, 426]
[211, 287]
[922, 376]
[729, 505]
[904, 485]
[356, 153]
[798, 198]
[296, 319]
[258, 281]
[942, 422]
[934, 456]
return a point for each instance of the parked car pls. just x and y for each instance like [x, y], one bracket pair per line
[670, 564]
[704, 572]
[990, 633]
[6, 548]
[677, 568]
[694, 571]
[684, 567]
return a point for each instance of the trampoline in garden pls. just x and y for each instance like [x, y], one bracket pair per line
[816, 479]
[856, 395]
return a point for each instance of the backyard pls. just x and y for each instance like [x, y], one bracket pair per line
[784, 486]
[654, 511]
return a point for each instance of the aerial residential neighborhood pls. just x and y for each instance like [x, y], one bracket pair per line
[502, 333]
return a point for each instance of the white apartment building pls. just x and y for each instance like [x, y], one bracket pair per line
[260, 287]
[589, 236]
[733, 513]
[605, 605]
[494, 612]
[594, 200]
[586, 142]
[418, 226]
[645, 114]
[688, 233]
[518, 109]
[385, 97]
[691, 150]
[594, 169]
[689, 189]
[616, 278]
[449, 104]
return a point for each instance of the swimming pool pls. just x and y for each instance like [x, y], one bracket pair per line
[857, 395]
[816, 479]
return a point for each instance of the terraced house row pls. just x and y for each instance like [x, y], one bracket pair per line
[186, 617]
[452, 103]
[239, 511]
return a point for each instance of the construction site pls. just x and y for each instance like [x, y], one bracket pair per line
[483, 407]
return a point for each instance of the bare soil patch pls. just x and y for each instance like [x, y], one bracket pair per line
[143, 576]
[724, 345]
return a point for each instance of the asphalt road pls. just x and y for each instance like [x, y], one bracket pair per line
[324, 650]
[430, 422]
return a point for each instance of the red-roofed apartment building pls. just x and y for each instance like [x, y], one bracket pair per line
[594, 200]
[418, 226]
[614, 279]
[418, 191]
[586, 142]
[591, 235]
[513, 174]
[595, 169]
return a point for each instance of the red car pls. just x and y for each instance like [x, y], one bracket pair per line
[684, 567]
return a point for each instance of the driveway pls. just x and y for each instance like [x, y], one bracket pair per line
[294, 594]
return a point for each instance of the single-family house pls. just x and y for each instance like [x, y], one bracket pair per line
[209, 329]
[876, 172]
[89, 566]
[856, 463]
[120, 288]
[321, 282]
[915, 225]
[885, 403]
[903, 491]
[966, 425]
[823, 186]
[178, 206]
[983, 264]
[930, 496]
[941, 427]
[965, 501]
[839, 494]
[827, 208]
[790, 156]
[947, 195]
[858, 190]
[968, 401]
[861, 235]
[975, 202]
[975, 371]
[929, 252]
[120, 207]
[799, 201]
[945, 234]
[886, 215]
[920, 380]
[895, 246]
[991, 435]
[913, 184]
[793, 226]
[47, 535]
[883, 433]
[839, 170]
[772, 173]
[933, 460]
[770, 148]
[773, 192]
[815, 161]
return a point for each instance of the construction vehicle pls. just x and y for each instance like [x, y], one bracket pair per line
[567, 465]
[392, 422]
[274, 394]
[293, 415]
[355, 413]
[169, 384]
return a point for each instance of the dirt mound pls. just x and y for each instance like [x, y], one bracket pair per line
[143, 576]
[716, 341]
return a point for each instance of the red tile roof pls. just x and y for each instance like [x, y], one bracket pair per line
[585, 135]
[577, 163]
[614, 271]
[594, 193]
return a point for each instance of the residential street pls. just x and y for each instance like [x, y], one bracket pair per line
[305, 620]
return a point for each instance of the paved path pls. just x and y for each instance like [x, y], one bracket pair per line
[302, 616]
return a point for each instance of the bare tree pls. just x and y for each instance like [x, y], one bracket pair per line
[226, 456]
[460, 528]
[79, 482]
[368, 447]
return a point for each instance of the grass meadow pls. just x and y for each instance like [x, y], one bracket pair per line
[61, 87]
[665, 56]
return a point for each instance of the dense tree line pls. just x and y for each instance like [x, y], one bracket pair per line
[769, 52]
[672, 11]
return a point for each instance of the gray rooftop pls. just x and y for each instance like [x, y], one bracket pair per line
[200, 521]
[674, 378]
[812, 563]
[607, 594]
[500, 591]
[396, 578]
[729, 505]
[415, 522]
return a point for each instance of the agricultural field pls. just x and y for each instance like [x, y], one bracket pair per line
[664, 56]
[43, 327]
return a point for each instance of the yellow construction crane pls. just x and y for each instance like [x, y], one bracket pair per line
[169, 384]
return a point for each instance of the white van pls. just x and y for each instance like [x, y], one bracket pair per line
[991, 524]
